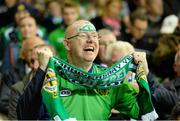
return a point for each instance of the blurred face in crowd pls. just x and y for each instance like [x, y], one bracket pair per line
[70, 15]
[82, 42]
[28, 27]
[177, 63]
[138, 28]
[10, 3]
[100, 3]
[155, 7]
[141, 3]
[118, 54]
[117, 50]
[21, 14]
[103, 42]
[33, 60]
[54, 8]
[114, 8]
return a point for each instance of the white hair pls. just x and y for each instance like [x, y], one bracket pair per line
[119, 45]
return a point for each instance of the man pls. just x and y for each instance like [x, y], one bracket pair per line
[62, 96]
[136, 31]
[106, 37]
[167, 93]
[16, 73]
[116, 51]
[28, 53]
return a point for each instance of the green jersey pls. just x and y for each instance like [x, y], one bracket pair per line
[93, 104]
[69, 92]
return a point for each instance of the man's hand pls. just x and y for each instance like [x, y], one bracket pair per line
[140, 57]
[44, 54]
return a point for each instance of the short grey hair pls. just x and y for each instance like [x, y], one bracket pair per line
[120, 45]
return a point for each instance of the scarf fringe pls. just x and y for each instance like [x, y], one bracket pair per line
[150, 116]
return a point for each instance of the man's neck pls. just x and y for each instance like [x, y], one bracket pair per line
[86, 66]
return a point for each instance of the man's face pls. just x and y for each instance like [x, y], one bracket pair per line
[138, 28]
[118, 54]
[28, 27]
[104, 41]
[10, 3]
[70, 15]
[21, 14]
[85, 46]
[33, 60]
[156, 7]
[54, 8]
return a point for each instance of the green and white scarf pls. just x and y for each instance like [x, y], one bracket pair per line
[109, 78]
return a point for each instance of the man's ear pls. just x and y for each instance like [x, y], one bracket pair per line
[175, 67]
[67, 44]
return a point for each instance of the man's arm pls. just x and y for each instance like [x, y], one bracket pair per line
[29, 103]
[162, 97]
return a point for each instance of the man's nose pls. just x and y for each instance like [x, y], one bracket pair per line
[90, 38]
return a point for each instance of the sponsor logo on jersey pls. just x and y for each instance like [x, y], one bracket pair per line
[65, 92]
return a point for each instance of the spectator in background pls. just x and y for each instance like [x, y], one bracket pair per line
[106, 37]
[27, 27]
[12, 75]
[29, 50]
[166, 95]
[70, 13]
[155, 12]
[9, 33]
[116, 51]
[110, 18]
[53, 16]
[88, 9]
[163, 56]
[134, 34]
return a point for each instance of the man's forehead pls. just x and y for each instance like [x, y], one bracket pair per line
[86, 27]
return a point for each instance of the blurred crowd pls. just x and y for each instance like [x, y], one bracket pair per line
[124, 26]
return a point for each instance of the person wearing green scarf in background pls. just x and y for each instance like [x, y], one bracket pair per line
[80, 90]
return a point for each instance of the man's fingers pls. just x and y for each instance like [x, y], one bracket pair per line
[139, 57]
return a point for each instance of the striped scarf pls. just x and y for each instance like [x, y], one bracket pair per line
[109, 78]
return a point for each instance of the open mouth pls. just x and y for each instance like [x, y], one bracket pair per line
[89, 49]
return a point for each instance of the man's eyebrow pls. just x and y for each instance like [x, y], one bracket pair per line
[42, 45]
